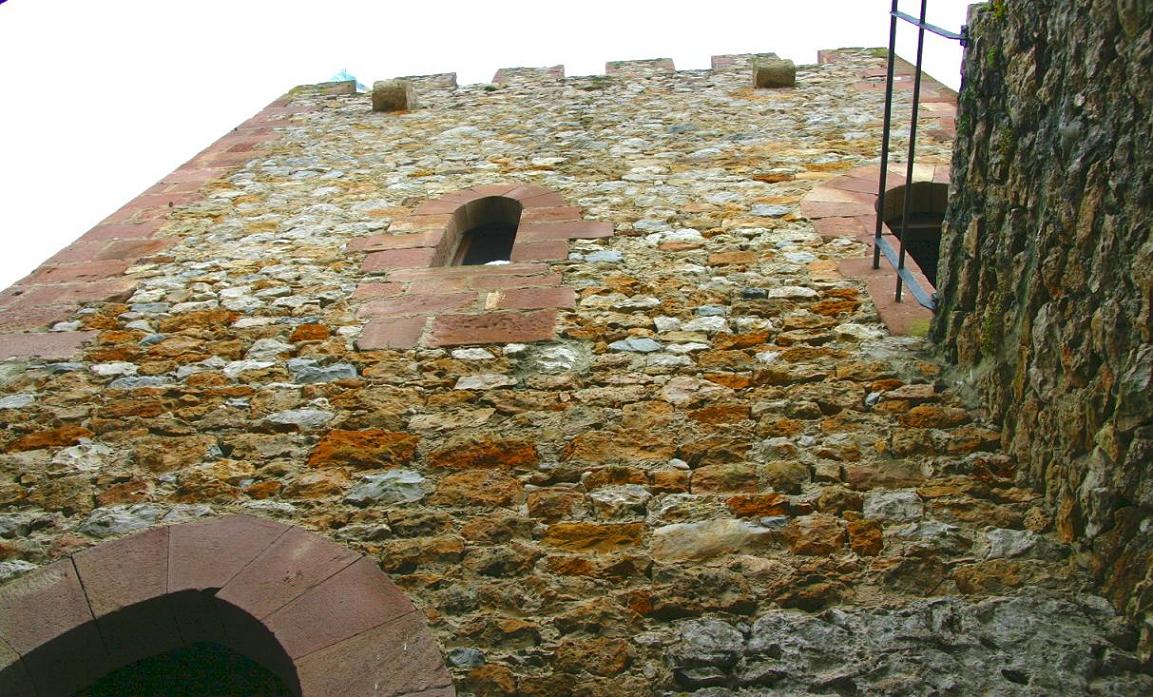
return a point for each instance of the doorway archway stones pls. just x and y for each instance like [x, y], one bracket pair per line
[322, 617]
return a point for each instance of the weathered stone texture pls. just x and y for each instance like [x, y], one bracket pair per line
[393, 95]
[705, 422]
[774, 72]
[1047, 267]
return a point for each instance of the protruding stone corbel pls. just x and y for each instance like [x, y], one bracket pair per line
[393, 95]
[774, 73]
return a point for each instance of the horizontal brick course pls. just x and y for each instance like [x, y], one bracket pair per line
[61, 293]
[398, 259]
[377, 243]
[515, 281]
[551, 214]
[19, 317]
[515, 269]
[492, 328]
[410, 304]
[842, 227]
[423, 222]
[548, 250]
[110, 250]
[436, 286]
[549, 200]
[367, 291]
[585, 229]
[533, 298]
[49, 346]
[80, 271]
[391, 333]
[844, 207]
[828, 209]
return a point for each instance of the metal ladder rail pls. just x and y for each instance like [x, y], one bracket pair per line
[879, 245]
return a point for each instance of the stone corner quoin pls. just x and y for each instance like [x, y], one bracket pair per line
[261, 405]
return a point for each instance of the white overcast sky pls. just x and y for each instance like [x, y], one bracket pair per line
[100, 99]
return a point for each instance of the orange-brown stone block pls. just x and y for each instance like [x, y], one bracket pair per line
[504, 453]
[60, 437]
[368, 449]
[594, 537]
[477, 488]
[866, 537]
[600, 656]
[757, 505]
[933, 416]
[816, 535]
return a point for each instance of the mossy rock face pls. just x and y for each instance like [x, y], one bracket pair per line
[919, 328]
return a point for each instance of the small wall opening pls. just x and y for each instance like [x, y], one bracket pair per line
[923, 229]
[484, 231]
[190, 671]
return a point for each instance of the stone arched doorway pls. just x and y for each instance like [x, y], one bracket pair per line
[324, 619]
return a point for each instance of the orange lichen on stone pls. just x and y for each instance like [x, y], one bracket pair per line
[59, 437]
[368, 449]
[486, 452]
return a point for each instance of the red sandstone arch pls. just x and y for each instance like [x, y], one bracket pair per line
[325, 619]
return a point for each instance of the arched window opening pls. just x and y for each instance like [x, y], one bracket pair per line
[923, 228]
[484, 230]
[190, 671]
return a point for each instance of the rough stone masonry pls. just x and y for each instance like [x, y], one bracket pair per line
[1048, 270]
[719, 476]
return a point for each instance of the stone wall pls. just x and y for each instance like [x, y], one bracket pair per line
[1047, 270]
[716, 472]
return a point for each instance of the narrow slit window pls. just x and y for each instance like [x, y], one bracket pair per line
[484, 231]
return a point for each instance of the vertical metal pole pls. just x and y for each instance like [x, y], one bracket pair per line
[912, 148]
[885, 138]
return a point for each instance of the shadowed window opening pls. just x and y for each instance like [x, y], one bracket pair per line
[484, 231]
[197, 670]
[485, 243]
[923, 229]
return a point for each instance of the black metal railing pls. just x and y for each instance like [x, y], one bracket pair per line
[881, 245]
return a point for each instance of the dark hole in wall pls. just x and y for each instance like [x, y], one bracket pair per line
[485, 243]
[78, 660]
[483, 231]
[923, 229]
[197, 670]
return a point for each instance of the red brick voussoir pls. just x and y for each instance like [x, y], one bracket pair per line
[325, 619]
[415, 299]
[94, 268]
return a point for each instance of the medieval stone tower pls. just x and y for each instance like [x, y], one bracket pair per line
[586, 386]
